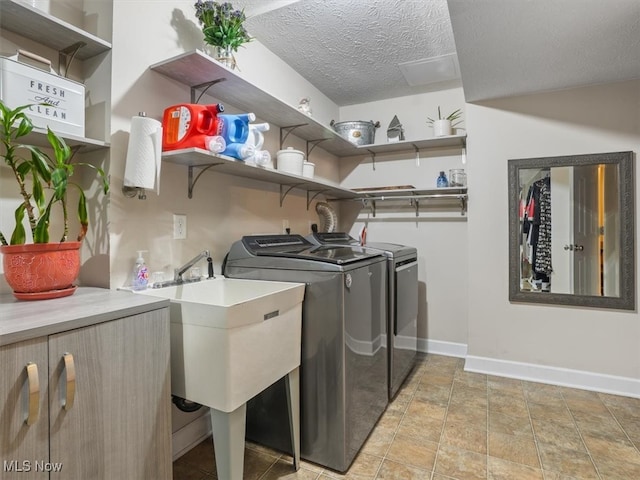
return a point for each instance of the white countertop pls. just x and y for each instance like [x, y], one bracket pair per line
[24, 320]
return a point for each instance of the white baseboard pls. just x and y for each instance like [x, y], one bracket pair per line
[190, 435]
[565, 377]
[439, 347]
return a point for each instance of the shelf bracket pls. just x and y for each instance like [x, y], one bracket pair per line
[287, 131]
[206, 86]
[373, 158]
[66, 56]
[463, 205]
[417, 204]
[417, 154]
[314, 144]
[192, 181]
[75, 149]
[366, 202]
[283, 194]
[311, 199]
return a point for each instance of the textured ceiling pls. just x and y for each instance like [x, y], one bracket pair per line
[350, 49]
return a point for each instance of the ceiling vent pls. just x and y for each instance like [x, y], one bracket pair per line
[431, 70]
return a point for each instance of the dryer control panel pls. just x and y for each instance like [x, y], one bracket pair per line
[275, 243]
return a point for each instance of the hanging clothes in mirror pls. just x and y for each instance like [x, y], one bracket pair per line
[536, 226]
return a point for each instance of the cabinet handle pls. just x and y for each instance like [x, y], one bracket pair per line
[34, 393]
[70, 370]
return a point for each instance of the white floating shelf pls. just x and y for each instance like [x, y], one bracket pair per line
[196, 68]
[449, 141]
[38, 137]
[196, 157]
[22, 18]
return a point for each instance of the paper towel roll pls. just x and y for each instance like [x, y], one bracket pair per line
[144, 153]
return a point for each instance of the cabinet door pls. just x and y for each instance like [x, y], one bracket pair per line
[119, 425]
[23, 448]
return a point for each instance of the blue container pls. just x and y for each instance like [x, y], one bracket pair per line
[442, 181]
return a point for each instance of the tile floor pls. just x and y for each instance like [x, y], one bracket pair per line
[448, 424]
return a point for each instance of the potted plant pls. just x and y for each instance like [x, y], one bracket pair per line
[37, 266]
[223, 29]
[443, 126]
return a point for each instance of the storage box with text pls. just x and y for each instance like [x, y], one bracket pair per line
[22, 84]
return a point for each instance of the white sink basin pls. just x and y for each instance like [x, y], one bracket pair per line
[228, 302]
[232, 338]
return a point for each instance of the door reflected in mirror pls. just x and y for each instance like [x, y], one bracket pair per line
[571, 230]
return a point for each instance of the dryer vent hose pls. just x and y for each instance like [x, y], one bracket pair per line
[328, 217]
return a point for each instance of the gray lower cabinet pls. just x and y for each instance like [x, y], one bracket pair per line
[104, 407]
[21, 444]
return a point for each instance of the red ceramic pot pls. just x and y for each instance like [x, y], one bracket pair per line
[39, 271]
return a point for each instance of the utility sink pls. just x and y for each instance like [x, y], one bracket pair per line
[229, 302]
[231, 338]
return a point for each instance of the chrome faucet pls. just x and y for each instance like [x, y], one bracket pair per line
[177, 273]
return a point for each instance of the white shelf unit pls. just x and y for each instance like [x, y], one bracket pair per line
[203, 160]
[21, 18]
[71, 42]
[38, 137]
[450, 141]
[414, 196]
[199, 71]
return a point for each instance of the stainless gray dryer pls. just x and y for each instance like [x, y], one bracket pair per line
[402, 301]
[344, 355]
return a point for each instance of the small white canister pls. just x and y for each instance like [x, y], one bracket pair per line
[290, 161]
[308, 169]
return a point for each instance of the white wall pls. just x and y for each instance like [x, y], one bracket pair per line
[439, 232]
[223, 207]
[586, 120]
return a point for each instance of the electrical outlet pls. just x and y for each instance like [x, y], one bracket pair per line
[179, 226]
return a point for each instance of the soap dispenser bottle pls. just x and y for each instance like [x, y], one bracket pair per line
[442, 180]
[140, 273]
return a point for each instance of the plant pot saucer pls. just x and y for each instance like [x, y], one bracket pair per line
[63, 292]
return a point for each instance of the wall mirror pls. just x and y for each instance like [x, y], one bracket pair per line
[571, 230]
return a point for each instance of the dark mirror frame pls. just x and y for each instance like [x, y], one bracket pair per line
[627, 298]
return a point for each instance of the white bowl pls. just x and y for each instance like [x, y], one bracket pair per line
[290, 161]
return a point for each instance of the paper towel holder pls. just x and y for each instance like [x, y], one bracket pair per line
[131, 192]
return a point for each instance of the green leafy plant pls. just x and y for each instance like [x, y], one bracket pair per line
[43, 180]
[221, 24]
[453, 117]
